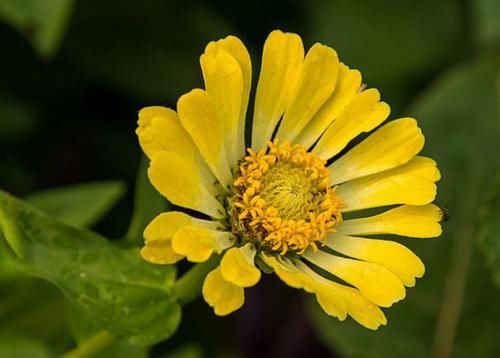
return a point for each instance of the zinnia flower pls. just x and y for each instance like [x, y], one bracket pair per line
[279, 195]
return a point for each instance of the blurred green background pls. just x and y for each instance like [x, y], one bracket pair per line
[73, 75]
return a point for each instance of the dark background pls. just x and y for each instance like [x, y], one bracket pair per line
[68, 113]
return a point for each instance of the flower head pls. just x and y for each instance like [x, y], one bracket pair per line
[285, 201]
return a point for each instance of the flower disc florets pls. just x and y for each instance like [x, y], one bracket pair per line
[282, 199]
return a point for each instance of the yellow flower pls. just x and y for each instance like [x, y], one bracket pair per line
[284, 203]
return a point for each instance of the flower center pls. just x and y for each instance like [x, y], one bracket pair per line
[282, 199]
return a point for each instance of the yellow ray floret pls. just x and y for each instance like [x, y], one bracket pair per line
[199, 117]
[397, 258]
[222, 295]
[160, 130]
[375, 282]
[180, 181]
[364, 113]
[238, 267]
[335, 299]
[348, 84]
[315, 84]
[224, 84]
[412, 183]
[230, 47]
[198, 243]
[405, 220]
[159, 232]
[281, 65]
[392, 145]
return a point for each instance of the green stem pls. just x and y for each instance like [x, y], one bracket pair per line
[91, 346]
[188, 287]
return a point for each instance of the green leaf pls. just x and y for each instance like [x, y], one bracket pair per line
[41, 22]
[147, 204]
[18, 346]
[487, 25]
[114, 287]
[441, 315]
[80, 205]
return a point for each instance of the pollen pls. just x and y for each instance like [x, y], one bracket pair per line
[282, 199]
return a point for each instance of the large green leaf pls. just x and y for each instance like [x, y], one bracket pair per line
[80, 205]
[147, 204]
[42, 22]
[114, 287]
[441, 315]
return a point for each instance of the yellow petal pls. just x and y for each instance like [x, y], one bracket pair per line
[197, 114]
[361, 309]
[314, 86]
[411, 183]
[348, 84]
[335, 299]
[288, 273]
[238, 267]
[397, 258]
[406, 220]
[159, 232]
[299, 276]
[364, 113]
[180, 181]
[390, 146]
[147, 114]
[326, 292]
[166, 224]
[160, 129]
[222, 295]
[281, 62]
[375, 282]
[237, 49]
[160, 252]
[224, 85]
[334, 296]
[198, 243]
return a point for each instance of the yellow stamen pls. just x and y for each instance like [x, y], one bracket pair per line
[283, 200]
